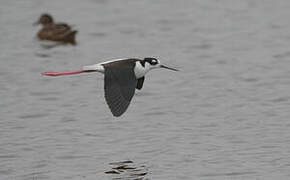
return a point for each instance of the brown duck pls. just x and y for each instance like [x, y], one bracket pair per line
[59, 32]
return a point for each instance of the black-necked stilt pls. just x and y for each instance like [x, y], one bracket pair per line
[122, 76]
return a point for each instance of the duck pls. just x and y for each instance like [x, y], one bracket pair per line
[57, 32]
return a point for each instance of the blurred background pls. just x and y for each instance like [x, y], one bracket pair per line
[225, 115]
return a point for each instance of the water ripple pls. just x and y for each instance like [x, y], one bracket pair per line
[127, 170]
[228, 174]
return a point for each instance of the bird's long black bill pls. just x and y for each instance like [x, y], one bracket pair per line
[162, 66]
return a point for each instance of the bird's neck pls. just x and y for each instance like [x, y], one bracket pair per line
[141, 70]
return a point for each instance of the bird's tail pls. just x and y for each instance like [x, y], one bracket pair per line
[70, 37]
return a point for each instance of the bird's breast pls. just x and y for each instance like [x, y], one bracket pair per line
[140, 70]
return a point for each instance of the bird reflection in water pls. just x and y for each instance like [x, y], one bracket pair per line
[127, 170]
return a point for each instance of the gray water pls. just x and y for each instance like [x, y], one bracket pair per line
[225, 115]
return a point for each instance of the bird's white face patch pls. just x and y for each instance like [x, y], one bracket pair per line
[154, 62]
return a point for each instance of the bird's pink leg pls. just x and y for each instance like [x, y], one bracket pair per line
[63, 73]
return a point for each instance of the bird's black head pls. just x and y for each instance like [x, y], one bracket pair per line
[151, 61]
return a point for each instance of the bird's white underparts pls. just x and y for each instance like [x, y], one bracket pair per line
[122, 77]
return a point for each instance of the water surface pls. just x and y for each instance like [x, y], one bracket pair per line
[225, 115]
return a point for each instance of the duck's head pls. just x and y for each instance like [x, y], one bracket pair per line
[44, 19]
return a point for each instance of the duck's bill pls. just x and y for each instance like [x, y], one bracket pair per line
[162, 66]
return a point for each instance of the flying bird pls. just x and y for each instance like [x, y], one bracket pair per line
[58, 32]
[122, 77]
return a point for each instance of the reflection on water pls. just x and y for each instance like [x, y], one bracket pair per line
[127, 170]
[42, 55]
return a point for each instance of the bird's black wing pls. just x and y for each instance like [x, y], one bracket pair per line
[140, 83]
[120, 84]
